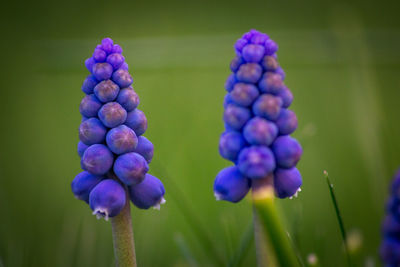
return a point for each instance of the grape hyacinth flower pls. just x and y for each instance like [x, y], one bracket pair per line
[390, 246]
[258, 123]
[114, 154]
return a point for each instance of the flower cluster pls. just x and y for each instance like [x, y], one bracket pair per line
[114, 153]
[390, 247]
[257, 123]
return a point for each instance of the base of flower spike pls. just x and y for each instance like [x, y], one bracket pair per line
[158, 205]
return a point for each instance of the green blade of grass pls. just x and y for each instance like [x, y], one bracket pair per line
[243, 248]
[338, 216]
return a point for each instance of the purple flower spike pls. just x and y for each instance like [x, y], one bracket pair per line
[149, 193]
[107, 199]
[257, 121]
[231, 185]
[113, 153]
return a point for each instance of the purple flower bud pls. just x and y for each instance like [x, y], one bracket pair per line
[124, 66]
[249, 73]
[107, 199]
[145, 148]
[271, 83]
[240, 43]
[281, 73]
[269, 63]
[390, 251]
[131, 168]
[112, 114]
[287, 182]
[391, 226]
[231, 185]
[97, 159]
[259, 38]
[286, 122]
[137, 121]
[149, 193]
[88, 85]
[287, 151]
[287, 97]
[122, 78]
[253, 52]
[92, 131]
[121, 139]
[83, 183]
[230, 82]
[115, 60]
[99, 55]
[227, 100]
[89, 63]
[102, 71]
[107, 45]
[106, 91]
[267, 106]
[259, 131]
[128, 99]
[117, 49]
[244, 94]
[236, 117]
[256, 162]
[235, 63]
[89, 106]
[230, 145]
[270, 47]
[81, 148]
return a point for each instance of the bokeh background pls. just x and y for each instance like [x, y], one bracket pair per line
[342, 62]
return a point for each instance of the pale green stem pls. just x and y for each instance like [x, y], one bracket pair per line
[124, 246]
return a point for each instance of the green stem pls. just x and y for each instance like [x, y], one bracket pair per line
[272, 226]
[339, 217]
[124, 246]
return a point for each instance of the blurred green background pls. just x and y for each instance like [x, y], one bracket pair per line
[342, 62]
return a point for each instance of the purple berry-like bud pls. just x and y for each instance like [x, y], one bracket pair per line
[89, 63]
[287, 151]
[145, 148]
[259, 131]
[92, 131]
[128, 99]
[117, 49]
[88, 85]
[136, 120]
[83, 183]
[269, 63]
[256, 162]
[102, 71]
[253, 52]
[286, 122]
[99, 55]
[271, 83]
[121, 139]
[115, 60]
[107, 45]
[97, 159]
[236, 117]
[390, 251]
[227, 100]
[249, 73]
[267, 106]
[106, 91]
[89, 106]
[230, 145]
[131, 168]
[259, 38]
[81, 148]
[231, 185]
[107, 199]
[244, 94]
[240, 43]
[122, 78]
[391, 226]
[149, 193]
[230, 82]
[124, 66]
[287, 182]
[281, 73]
[270, 47]
[112, 114]
[235, 63]
[287, 97]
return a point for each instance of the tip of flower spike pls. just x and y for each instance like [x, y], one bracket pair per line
[101, 213]
[158, 205]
